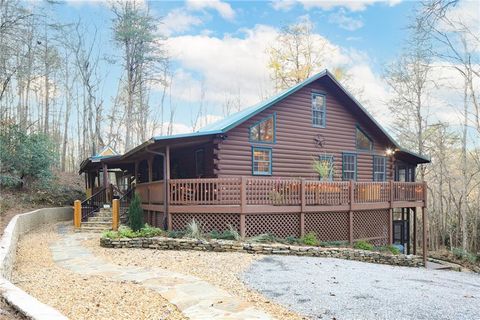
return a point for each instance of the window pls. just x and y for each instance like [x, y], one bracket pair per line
[379, 168]
[349, 166]
[326, 167]
[318, 110]
[199, 163]
[262, 161]
[264, 130]
[363, 141]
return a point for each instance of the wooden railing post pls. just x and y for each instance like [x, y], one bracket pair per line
[350, 212]
[77, 214]
[302, 210]
[243, 204]
[115, 214]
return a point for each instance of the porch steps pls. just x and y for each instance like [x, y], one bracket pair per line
[102, 221]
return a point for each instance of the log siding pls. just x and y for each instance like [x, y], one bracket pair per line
[295, 147]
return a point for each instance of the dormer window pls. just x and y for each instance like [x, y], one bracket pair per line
[318, 110]
[363, 141]
[263, 131]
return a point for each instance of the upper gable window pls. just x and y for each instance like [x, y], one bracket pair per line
[264, 130]
[318, 110]
[363, 141]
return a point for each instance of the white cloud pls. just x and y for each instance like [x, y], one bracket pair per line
[224, 9]
[352, 5]
[344, 21]
[235, 68]
[283, 5]
[177, 21]
[228, 65]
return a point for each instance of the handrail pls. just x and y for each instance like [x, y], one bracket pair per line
[93, 204]
[124, 203]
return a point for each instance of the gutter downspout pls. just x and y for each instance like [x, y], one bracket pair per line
[165, 191]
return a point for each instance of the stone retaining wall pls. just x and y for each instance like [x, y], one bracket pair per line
[18, 226]
[161, 243]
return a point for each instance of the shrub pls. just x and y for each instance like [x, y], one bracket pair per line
[262, 238]
[334, 244]
[194, 230]
[390, 248]
[230, 234]
[363, 245]
[310, 239]
[176, 234]
[461, 254]
[135, 213]
[148, 231]
[292, 240]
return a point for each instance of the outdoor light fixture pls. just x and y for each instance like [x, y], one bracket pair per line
[389, 151]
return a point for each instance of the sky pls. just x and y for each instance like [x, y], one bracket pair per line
[220, 48]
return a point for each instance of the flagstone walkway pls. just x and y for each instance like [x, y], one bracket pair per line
[197, 299]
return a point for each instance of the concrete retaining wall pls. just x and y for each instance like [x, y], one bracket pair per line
[18, 226]
[162, 243]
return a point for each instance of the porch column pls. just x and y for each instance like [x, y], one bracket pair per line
[105, 182]
[150, 169]
[166, 178]
[135, 172]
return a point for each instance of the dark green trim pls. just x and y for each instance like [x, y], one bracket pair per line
[274, 116]
[316, 109]
[384, 168]
[343, 164]
[270, 164]
[366, 135]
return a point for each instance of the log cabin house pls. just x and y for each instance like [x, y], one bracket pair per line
[254, 171]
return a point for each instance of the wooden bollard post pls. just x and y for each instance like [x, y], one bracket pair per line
[115, 214]
[77, 214]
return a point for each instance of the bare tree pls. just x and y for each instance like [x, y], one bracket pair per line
[135, 31]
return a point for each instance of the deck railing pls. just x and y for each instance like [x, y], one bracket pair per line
[283, 192]
[93, 204]
[221, 191]
[151, 192]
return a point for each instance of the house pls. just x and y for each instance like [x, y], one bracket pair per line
[254, 171]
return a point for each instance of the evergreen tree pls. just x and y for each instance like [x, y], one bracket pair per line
[135, 213]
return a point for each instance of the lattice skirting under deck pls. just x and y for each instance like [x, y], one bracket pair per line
[328, 226]
[209, 221]
[370, 225]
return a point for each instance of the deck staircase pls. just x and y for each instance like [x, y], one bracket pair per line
[102, 221]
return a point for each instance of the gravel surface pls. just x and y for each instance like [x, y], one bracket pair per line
[325, 288]
[221, 269]
[82, 297]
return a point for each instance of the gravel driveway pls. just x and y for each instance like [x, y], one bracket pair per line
[324, 288]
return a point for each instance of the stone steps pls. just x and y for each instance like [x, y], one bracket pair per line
[101, 222]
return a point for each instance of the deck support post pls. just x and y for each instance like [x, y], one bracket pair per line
[243, 205]
[166, 178]
[414, 231]
[350, 212]
[424, 236]
[302, 208]
[390, 214]
[425, 225]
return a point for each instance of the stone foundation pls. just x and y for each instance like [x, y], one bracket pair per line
[161, 243]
